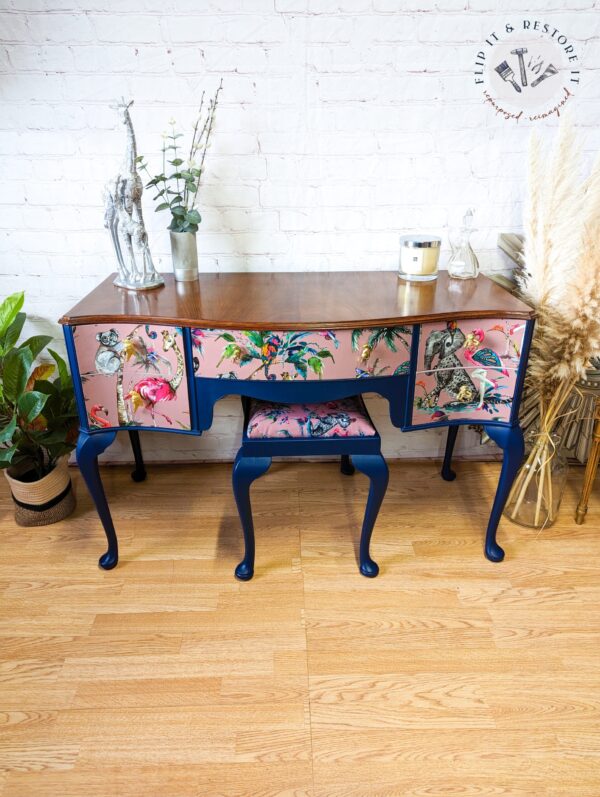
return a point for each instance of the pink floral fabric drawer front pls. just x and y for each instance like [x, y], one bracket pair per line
[467, 369]
[133, 375]
[342, 418]
[320, 354]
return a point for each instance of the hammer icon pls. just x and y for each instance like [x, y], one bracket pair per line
[520, 51]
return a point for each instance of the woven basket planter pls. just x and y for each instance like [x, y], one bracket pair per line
[44, 501]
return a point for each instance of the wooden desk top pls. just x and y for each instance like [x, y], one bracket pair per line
[298, 300]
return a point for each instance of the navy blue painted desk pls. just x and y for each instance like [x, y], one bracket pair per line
[446, 353]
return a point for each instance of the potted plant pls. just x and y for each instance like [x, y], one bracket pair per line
[177, 192]
[38, 422]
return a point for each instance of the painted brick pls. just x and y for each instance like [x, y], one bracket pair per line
[75, 28]
[27, 86]
[459, 28]
[53, 58]
[13, 27]
[254, 29]
[116, 29]
[191, 60]
[333, 29]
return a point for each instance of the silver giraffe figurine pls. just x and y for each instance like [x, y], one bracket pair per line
[124, 219]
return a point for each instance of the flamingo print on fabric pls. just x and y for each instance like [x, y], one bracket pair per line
[467, 368]
[96, 420]
[152, 390]
[131, 374]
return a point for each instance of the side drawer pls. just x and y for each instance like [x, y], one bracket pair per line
[133, 375]
[467, 370]
[318, 354]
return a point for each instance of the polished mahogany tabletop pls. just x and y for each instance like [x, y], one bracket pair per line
[298, 300]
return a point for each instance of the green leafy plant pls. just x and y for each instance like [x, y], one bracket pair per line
[38, 417]
[178, 192]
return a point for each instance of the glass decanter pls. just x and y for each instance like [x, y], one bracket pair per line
[463, 263]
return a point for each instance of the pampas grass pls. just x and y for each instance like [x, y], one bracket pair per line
[561, 280]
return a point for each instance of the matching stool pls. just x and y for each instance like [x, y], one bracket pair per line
[341, 427]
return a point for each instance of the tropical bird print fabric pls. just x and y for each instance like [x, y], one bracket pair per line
[467, 369]
[342, 418]
[289, 356]
[133, 375]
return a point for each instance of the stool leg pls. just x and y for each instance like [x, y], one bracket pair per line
[447, 473]
[245, 471]
[139, 473]
[375, 467]
[346, 466]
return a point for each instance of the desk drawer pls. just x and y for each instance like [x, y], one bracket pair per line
[288, 356]
[133, 375]
[467, 370]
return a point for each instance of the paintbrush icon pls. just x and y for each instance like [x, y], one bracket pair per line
[507, 74]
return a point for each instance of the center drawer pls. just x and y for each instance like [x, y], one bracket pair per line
[302, 355]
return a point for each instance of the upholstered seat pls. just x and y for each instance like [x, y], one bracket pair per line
[339, 428]
[342, 418]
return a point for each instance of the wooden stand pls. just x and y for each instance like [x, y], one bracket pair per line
[591, 469]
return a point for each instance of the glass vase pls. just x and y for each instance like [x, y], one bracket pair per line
[538, 489]
[463, 263]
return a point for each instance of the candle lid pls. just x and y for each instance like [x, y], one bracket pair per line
[421, 241]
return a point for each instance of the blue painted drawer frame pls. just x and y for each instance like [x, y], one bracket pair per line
[209, 391]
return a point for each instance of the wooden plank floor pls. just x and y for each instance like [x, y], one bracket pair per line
[447, 675]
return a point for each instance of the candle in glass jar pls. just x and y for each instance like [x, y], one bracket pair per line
[419, 255]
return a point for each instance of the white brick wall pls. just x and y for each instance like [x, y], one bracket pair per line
[343, 123]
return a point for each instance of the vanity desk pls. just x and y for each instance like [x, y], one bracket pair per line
[443, 353]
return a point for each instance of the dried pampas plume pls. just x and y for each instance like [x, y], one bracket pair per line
[561, 280]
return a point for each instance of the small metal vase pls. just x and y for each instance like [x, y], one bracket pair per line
[185, 256]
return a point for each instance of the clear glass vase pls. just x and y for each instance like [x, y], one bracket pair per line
[538, 489]
[463, 263]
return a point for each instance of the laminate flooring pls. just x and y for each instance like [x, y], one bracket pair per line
[166, 677]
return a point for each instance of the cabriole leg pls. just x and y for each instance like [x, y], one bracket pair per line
[245, 471]
[510, 440]
[447, 473]
[375, 467]
[89, 447]
[346, 466]
[139, 473]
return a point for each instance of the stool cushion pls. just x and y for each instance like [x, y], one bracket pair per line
[341, 418]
